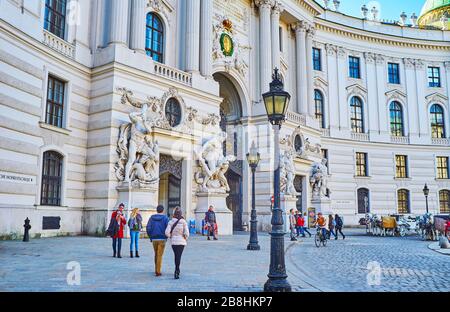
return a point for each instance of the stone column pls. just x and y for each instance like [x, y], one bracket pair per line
[333, 105]
[384, 124]
[138, 25]
[342, 72]
[300, 47]
[265, 46]
[192, 35]
[309, 70]
[119, 22]
[276, 11]
[206, 38]
[411, 96]
[421, 93]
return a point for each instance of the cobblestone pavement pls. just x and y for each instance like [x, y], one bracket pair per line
[406, 265]
[226, 266]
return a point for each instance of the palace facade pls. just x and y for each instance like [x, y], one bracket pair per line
[109, 101]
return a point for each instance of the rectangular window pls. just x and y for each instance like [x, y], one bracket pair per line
[401, 166]
[280, 34]
[394, 73]
[361, 165]
[55, 17]
[434, 77]
[354, 67]
[317, 59]
[55, 102]
[442, 168]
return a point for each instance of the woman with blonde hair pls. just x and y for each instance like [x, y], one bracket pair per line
[178, 232]
[135, 225]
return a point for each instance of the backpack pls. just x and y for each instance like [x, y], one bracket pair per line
[132, 224]
[339, 222]
[113, 228]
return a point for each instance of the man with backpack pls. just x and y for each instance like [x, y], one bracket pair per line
[339, 226]
[211, 222]
[156, 231]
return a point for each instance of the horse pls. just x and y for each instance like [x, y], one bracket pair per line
[427, 228]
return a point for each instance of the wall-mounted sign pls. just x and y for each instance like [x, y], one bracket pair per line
[17, 178]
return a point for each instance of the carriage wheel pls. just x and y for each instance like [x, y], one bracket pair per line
[402, 231]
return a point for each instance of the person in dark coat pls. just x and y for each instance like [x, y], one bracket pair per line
[211, 222]
[156, 231]
[339, 226]
[117, 238]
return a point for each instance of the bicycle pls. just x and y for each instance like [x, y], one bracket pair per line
[319, 238]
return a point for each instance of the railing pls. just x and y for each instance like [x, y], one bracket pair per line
[296, 118]
[440, 141]
[360, 136]
[399, 139]
[58, 44]
[326, 133]
[173, 74]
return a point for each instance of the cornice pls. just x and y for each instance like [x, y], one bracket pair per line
[379, 38]
[311, 6]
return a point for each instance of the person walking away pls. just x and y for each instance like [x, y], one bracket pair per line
[292, 224]
[305, 228]
[331, 226]
[135, 225]
[178, 232]
[117, 238]
[156, 231]
[211, 222]
[339, 226]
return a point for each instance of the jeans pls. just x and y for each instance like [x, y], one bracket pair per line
[332, 232]
[117, 245]
[134, 240]
[324, 233]
[177, 251]
[339, 229]
[158, 247]
[305, 230]
[300, 231]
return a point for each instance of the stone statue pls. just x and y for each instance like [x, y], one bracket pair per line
[138, 155]
[213, 165]
[287, 173]
[319, 179]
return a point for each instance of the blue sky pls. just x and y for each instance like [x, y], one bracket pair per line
[390, 9]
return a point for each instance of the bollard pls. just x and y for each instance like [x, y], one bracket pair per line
[27, 227]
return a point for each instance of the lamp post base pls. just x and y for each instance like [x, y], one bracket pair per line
[253, 247]
[277, 285]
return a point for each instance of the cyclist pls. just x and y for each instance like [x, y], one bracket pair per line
[321, 222]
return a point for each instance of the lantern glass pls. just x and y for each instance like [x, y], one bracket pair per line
[426, 190]
[253, 157]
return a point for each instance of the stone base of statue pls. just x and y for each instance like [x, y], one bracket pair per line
[223, 214]
[288, 202]
[144, 197]
[322, 205]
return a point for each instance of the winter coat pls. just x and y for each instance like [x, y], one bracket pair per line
[122, 221]
[292, 221]
[180, 232]
[137, 223]
[301, 221]
[156, 227]
[210, 217]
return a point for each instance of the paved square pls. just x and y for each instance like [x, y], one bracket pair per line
[406, 265]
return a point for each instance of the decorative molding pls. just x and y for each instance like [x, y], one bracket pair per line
[160, 6]
[357, 90]
[437, 98]
[396, 95]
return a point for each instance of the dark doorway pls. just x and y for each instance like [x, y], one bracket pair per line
[234, 200]
[174, 194]
[363, 201]
[298, 184]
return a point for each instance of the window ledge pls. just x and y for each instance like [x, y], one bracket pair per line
[53, 128]
[402, 179]
[442, 180]
[59, 208]
[362, 178]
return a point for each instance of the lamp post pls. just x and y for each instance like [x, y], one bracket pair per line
[253, 159]
[426, 192]
[276, 102]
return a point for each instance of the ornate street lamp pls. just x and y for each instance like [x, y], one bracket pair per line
[276, 102]
[426, 192]
[253, 159]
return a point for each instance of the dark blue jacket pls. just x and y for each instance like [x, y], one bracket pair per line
[156, 226]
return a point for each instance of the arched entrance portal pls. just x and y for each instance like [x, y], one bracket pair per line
[231, 114]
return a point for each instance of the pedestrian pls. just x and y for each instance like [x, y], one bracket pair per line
[305, 228]
[211, 222]
[118, 236]
[135, 225]
[447, 227]
[292, 224]
[339, 226]
[298, 225]
[331, 226]
[156, 231]
[178, 232]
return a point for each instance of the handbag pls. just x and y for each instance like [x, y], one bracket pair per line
[113, 228]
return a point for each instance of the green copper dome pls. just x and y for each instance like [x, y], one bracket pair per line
[432, 12]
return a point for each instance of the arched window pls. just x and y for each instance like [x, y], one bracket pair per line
[154, 38]
[437, 121]
[396, 116]
[55, 17]
[356, 115]
[318, 100]
[363, 201]
[403, 201]
[173, 112]
[444, 201]
[51, 185]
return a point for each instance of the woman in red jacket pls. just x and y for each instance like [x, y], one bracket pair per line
[117, 239]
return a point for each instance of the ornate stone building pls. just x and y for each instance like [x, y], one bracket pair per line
[153, 102]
